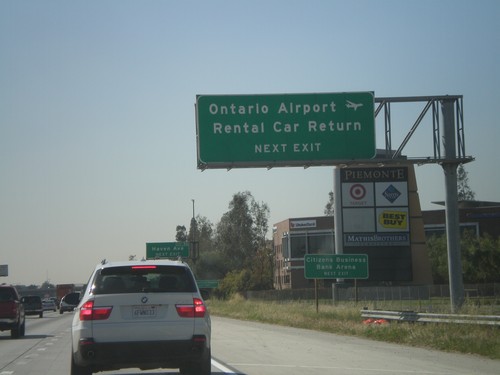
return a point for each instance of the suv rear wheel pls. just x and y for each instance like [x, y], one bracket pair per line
[203, 367]
[79, 370]
[17, 332]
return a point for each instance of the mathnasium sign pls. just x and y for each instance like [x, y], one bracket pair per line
[284, 129]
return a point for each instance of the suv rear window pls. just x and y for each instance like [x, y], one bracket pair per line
[32, 300]
[147, 278]
[7, 294]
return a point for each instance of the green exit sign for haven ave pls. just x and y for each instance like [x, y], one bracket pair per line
[161, 250]
[284, 129]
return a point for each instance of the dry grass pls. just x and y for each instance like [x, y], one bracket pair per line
[346, 320]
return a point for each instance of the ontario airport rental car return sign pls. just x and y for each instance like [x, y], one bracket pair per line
[239, 131]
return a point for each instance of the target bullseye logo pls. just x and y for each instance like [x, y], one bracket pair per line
[357, 192]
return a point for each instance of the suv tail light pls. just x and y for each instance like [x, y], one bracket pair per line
[89, 312]
[196, 310]
[11, 309]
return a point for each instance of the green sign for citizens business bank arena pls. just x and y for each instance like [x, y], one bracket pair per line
[284, 129]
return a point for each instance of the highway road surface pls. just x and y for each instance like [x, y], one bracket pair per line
[247, 348]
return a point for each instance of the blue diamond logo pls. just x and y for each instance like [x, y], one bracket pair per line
[391, 194]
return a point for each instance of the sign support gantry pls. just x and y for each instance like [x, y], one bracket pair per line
[449, 152]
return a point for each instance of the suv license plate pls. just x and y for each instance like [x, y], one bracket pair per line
[141, 312]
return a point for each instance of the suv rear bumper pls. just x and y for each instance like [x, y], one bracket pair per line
[34, 312]
[7, 324]
[66, 308]
[144, 355]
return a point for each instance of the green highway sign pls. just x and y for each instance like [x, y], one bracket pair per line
[284, 129]
[207, 284]
[159, 250]
[4, 270]
[337, 266]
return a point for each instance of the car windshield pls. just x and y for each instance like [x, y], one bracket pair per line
[143, 278]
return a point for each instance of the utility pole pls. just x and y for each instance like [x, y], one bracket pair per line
[194, 243]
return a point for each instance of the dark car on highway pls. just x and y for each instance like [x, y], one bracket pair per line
[32, 305]
[69, 302]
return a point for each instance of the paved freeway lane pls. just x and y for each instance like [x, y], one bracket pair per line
[45, 350]
[247, 348]
[41, 351]
[259, 349]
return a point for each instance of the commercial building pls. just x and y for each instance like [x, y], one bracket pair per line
[477, 216]
[390, 262]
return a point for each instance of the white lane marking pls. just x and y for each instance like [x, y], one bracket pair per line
[385, 371]
[221, 367]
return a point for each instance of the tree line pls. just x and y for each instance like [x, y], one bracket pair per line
[480, 258]
[480, 254]
[235, 250]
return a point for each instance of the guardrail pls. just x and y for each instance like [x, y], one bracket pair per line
[411, 316]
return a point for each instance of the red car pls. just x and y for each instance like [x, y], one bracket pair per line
[11, 311]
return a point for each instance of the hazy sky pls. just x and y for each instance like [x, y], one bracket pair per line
[97, 117]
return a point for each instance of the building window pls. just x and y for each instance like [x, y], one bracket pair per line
[440, 229]
[320, 243]
[297, 244]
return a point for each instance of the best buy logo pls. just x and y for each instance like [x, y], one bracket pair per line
[393, 219]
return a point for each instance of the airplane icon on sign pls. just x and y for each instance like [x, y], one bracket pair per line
[353, 105]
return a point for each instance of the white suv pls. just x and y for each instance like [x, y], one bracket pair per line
[146, 314]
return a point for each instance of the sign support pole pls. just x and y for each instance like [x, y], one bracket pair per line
[452, 219]
[356, 291]
[316, 298]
